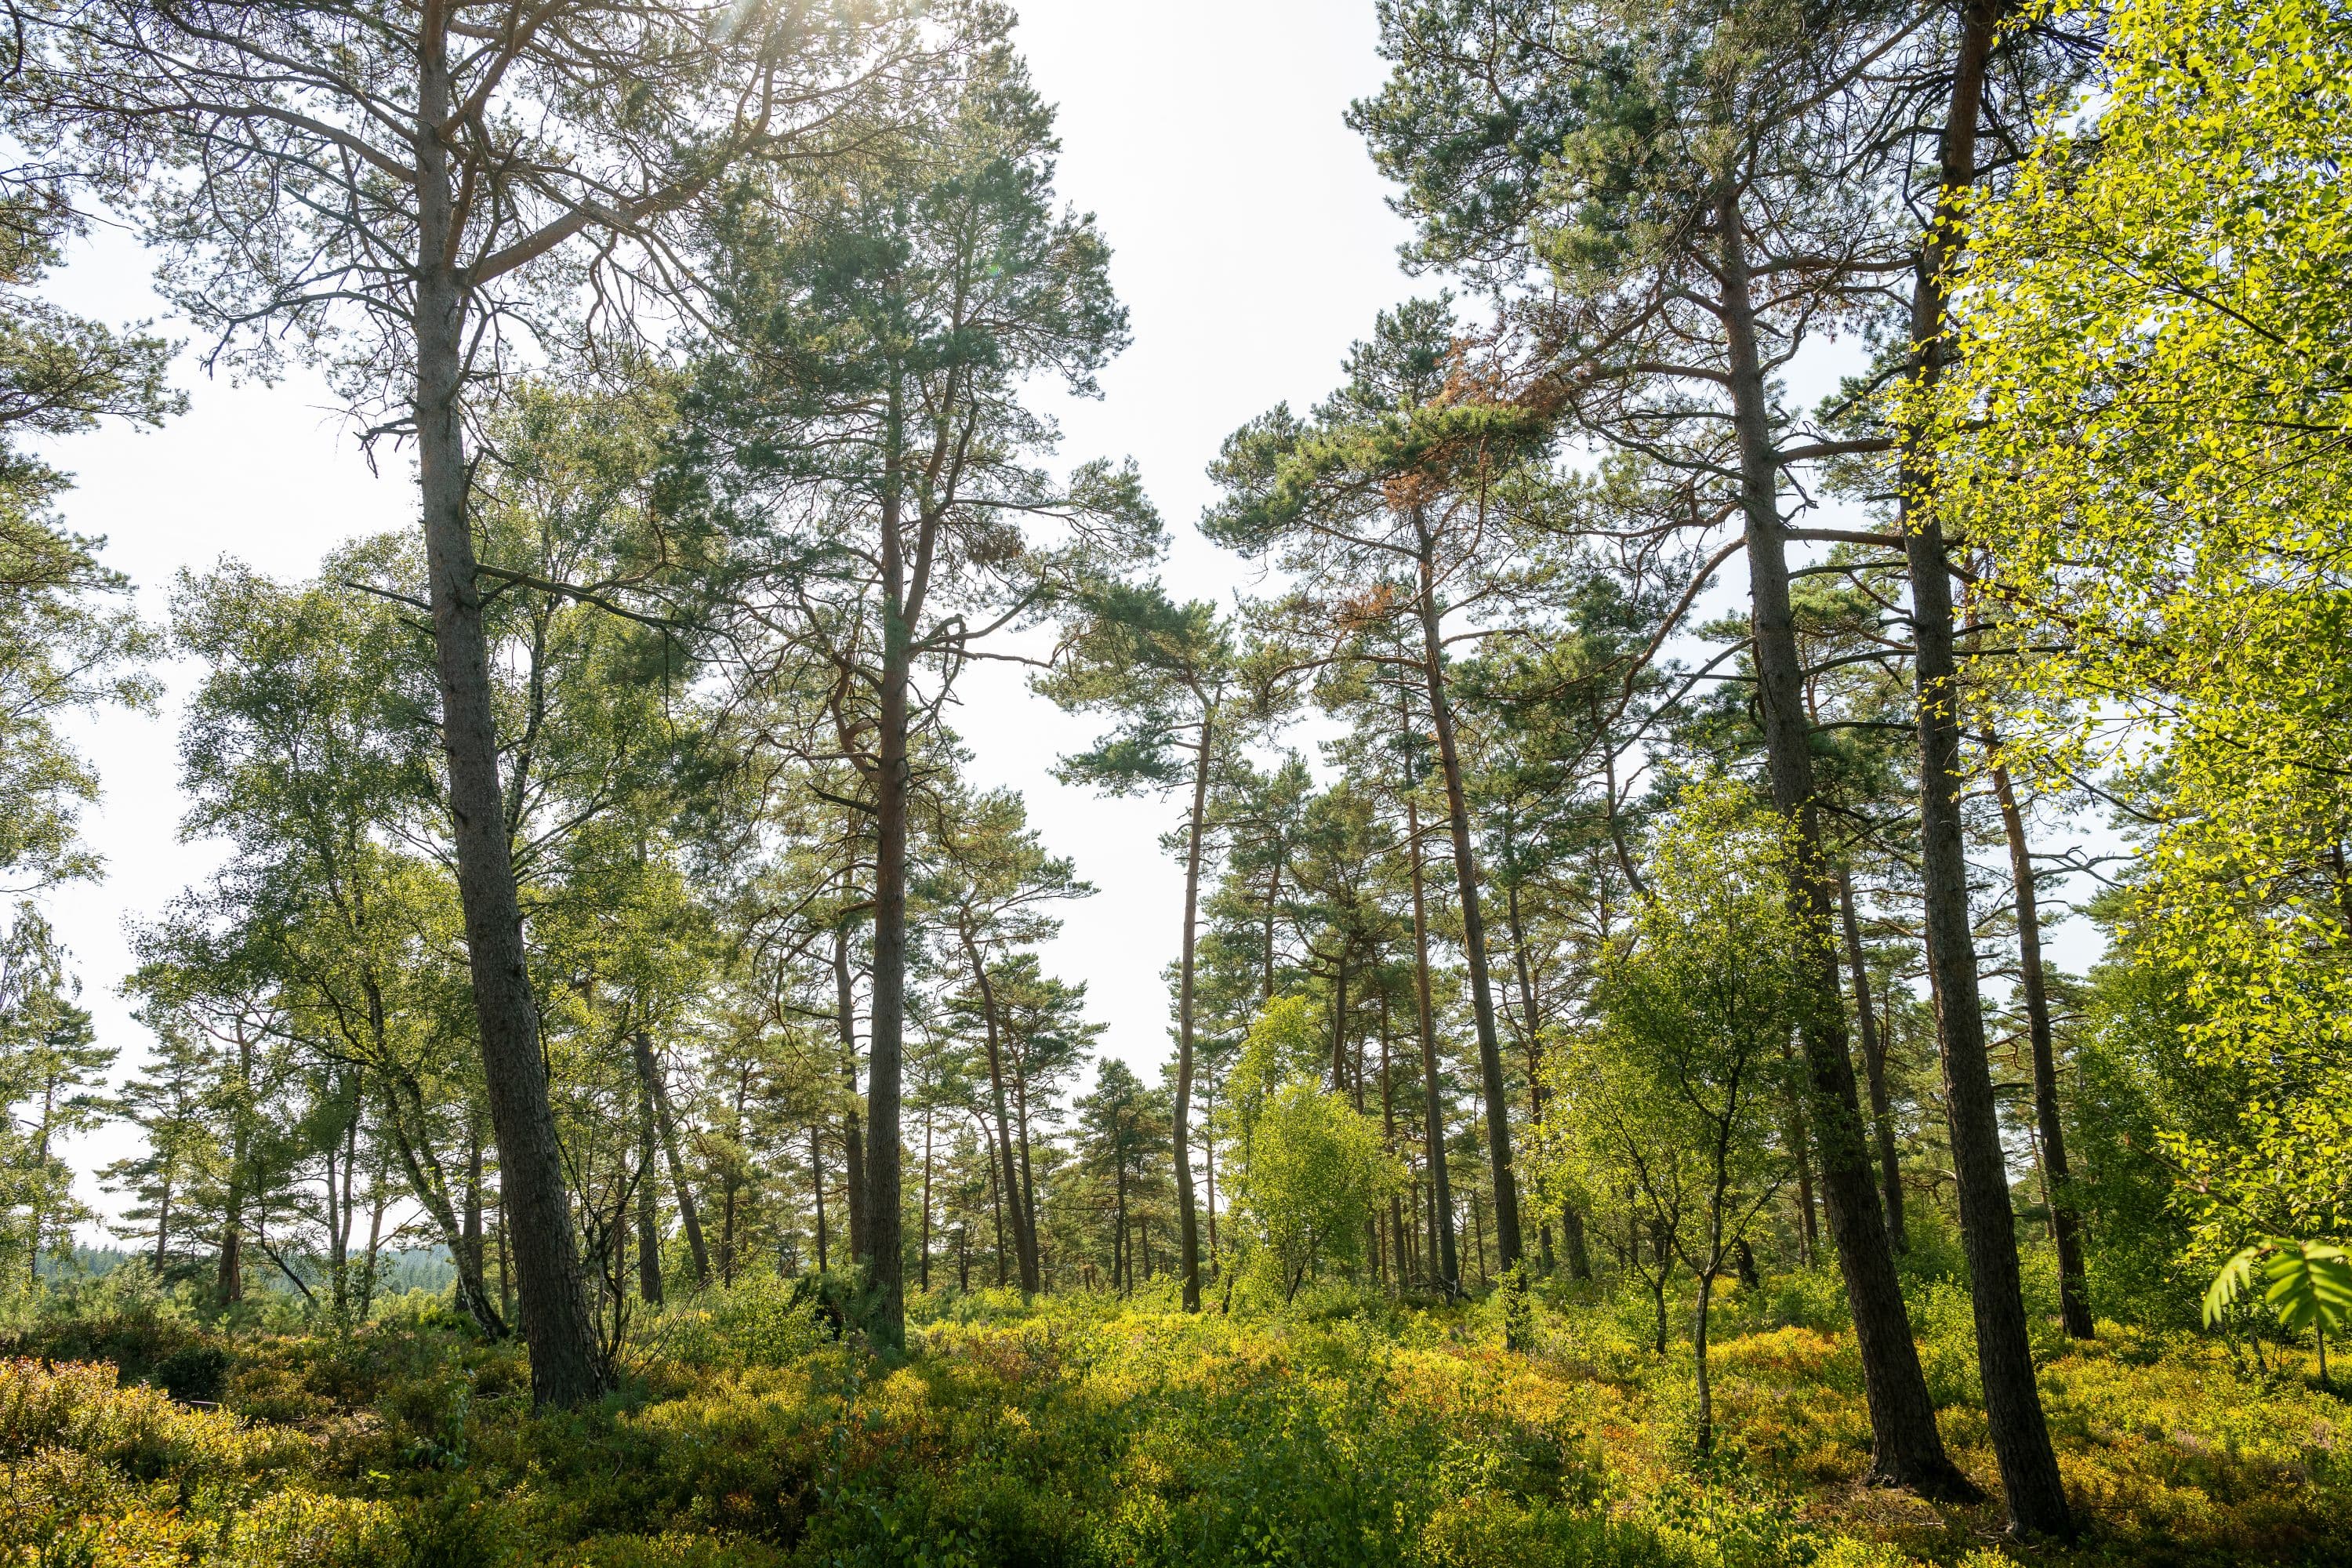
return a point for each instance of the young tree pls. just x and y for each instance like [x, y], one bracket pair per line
[1675, 1090]
[50, 1061]
[1311, 1172]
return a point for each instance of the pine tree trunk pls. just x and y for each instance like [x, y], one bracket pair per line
[885, 1306]
[2065, 1220]
[1907, 1448]
[665, 1127]
[1188, 1233]
[816, 1182]
[649, 1257]
[1441, 1200]
[853, 1137]
[1023, 1248]
[566, 1365]
[1473, 930]
[1874, 1061]
[2021, 1437]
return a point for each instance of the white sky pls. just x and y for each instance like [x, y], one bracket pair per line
[1252, 245]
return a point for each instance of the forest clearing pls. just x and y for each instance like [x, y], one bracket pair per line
[1690, 907]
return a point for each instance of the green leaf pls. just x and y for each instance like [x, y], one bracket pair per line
[2236, 1278]
[2310, 1283]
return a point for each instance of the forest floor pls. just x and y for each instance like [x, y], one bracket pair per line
[1082, 1431]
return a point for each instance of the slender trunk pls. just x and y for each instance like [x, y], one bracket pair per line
[1028, 1186]
[2021, 1437]
[924, 1253]
[892, 781]
[1188, 1233]
[732, 1184]
[1389, 1142]
[816, 1181]
[230, 1283]
[340, 1200]
[1339, 1024]
[649, 1257]
[1272, 898]
[1907, 1448]
[470, 1234]
[566, 1366]
[164, 1220]
[1809, 1239]
[1441, 1200]
[853, 1138]
[430, 1185]
[665, 1128]
[996, 1207]
[2065, 1220]
[1478, 1231]
[1209, 1176]
[1474, 929]
[1704, 1421]
[1023, 1248]
[1530, 1042]
[1120, 1254]
[1662, 1261]
[1874, 1061]
[376, 1205]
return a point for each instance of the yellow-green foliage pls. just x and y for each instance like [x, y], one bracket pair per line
[2146, 430]
[1081, 1432]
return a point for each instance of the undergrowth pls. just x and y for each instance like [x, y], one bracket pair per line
[1080, 1431]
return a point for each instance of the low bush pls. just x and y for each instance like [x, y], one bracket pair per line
[1084, 1431]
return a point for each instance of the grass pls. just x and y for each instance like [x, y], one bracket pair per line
[1084, 1432]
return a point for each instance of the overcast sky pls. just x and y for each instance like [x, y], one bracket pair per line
[1251, 245]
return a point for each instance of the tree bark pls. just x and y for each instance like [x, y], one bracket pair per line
[566, 1365]
[1473, 933]
[1907, 1448]
[1188, 1233]
[1874, 1061]
[1441, 1198]
[649, 1257]
[2065, 1220]
[665, 1128]
[2021, 1437]
[853, 1137]
[816, 1182]
[1023, 1247]
[886, 1304]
